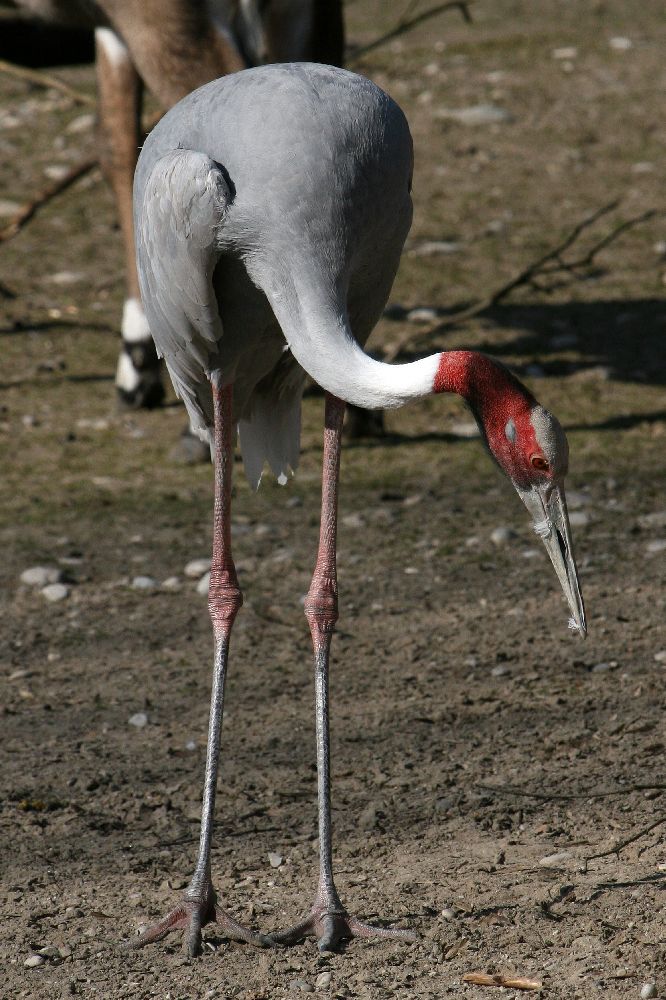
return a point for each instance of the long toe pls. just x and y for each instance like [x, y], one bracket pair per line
[331, 928]
[190, 917]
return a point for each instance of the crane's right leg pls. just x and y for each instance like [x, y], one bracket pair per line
[199, 903]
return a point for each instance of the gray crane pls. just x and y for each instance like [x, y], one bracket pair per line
[271, 207]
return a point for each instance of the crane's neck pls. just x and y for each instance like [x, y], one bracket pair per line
[320, 339]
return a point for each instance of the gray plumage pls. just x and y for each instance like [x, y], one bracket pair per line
[271, 207]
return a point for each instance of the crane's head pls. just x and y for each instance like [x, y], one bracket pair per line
[528, 443]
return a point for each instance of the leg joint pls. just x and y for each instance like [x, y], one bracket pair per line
[321, 604]
[224, 599]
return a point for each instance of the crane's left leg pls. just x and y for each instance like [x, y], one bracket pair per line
[199, 904]
[328, 920]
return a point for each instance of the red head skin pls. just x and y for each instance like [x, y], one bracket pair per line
[498, 399]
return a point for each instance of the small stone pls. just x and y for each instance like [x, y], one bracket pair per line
[578, 519]
[566, 52]
[203, 585]
[190, 745]
[275, 860]
[34, 961]
[620, 43]
[500, 670]
[66, 278]
[500, 536]
[171, 583]
[80, 124]
[196, 568]
[657, 519]
[659, 247]
[40, 576]
[660, 657]
[323, 980]
[297, 985]
[56, 171]
[8, 208]
[144, 583]
[600, 668]
[434, 248]
[55, 592]
[476, 114]
[648, 990]
[422, 314]
[139, 719]
[556, 860]
[448, 913]
[658, 545]
[50, 951]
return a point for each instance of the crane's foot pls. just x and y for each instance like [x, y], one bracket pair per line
[190, 917]
[331, 925]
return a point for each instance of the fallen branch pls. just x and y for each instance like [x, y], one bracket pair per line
[619, 845]
[46, 195]
[44, 80]
[407, 23]
[549, 264]
[510, 982]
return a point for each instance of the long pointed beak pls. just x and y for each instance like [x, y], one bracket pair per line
[551, 523]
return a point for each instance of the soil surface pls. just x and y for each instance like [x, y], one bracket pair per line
[498, 784]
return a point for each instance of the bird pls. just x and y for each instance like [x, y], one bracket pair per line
[270, 209]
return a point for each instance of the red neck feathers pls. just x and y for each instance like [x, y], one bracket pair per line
[493, 393]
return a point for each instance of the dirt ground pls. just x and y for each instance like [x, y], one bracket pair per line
[481, 754]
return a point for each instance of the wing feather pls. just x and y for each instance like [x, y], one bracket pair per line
[177, 223]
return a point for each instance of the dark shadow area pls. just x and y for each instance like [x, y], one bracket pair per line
[627, 337]
[38, 45]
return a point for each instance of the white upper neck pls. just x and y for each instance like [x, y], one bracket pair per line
[321, 341]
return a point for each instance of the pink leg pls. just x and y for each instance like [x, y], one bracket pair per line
[328, 920]
[199, 903]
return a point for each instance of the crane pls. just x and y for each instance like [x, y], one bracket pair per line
[271, 207]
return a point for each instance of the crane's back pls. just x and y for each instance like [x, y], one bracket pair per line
[316, 157]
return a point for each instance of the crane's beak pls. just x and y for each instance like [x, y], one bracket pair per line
[548, 508]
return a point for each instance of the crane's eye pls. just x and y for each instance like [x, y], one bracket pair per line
[540, 463]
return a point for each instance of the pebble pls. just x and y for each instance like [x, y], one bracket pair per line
[275, 860]
[620, 44]
[50, 951]
[40, 576]
[171, 583]
[531, 553]
[578, 519]
[432, 248]
[196, 568]
[323, 980]
[448, 913]
[660, 657]
[477, 114]
[566, 52]
[56, 172]
[8, 208]
[144, 583]
[80, 124]
[139, 719]
[203, 584]
[55, 592]
[657, 519]
[422, 314]
[297, 985]
[500, 670]
[658, 545]
[66, 278]
[555, 860]
[600, 668]
[648, 990]
[34, 961]
[500, 536]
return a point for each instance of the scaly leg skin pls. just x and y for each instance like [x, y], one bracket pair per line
[328, 920]
[198, 907]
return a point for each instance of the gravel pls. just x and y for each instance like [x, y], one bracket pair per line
[297, 985]
[34, 961]
[275, 860]
[144, 583]
[55, 592]
[323, 980]
[203, 584]
[556, 860]
[196, 568]
[476, 114]
[139, 720]
[648, 990]
[502, 535]
[40, 576]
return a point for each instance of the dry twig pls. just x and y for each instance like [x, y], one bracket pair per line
[47, 194]
[619, 845]
[511, 982]
[549, 264]
[45, 80]
[407, 23]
